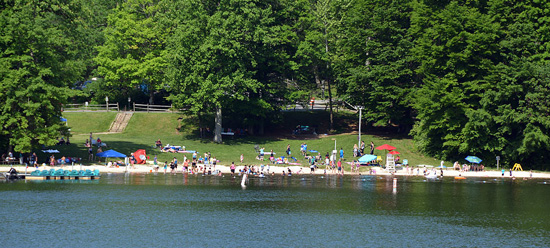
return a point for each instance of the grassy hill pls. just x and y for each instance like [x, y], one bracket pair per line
[145, 128]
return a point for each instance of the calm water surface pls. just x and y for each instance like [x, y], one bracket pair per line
[147, 210]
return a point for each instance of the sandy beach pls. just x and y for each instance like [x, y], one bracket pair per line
[278, 170]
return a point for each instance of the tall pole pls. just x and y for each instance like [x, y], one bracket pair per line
[359, 141]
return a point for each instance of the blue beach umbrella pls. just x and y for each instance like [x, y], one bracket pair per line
[367, 158]
[473, 159]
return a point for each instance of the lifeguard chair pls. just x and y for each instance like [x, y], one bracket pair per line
[390, 163]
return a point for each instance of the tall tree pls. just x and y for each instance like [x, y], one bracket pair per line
[134, 49]
[375, 65]
[217, 55]
[38, 60]
[316, 52]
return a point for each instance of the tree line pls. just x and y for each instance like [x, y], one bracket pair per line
[461, 77]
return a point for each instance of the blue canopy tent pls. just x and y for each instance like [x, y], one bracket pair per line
[110, 154]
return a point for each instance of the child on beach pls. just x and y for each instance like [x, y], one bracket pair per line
[165, 166]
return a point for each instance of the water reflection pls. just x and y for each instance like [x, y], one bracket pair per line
[304, 209]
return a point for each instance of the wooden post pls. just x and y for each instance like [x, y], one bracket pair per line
[147, 107]
[134, 107]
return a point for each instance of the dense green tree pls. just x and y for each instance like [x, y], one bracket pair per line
[134, 49]
[38, 61]
[220, 50]
[91, 21]
[484, 74]
[375, 63]
[316, 54]
[457, 50]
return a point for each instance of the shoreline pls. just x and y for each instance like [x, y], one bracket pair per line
[278, 170]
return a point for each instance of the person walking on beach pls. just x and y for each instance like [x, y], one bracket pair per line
[242, 158]
[371, 148]
[34, 160]
[362, 148]
[341, 153]
[90, 154]
[288, 150]
[340, 167]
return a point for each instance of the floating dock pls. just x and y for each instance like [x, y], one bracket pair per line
[54, 174]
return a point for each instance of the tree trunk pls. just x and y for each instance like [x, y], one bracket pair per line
[251, 129]
[261, 127]
[151, 96]
[328, 76]
[218, 126]
[330, 105]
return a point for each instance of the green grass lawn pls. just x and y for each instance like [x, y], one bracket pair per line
[82, 123]
[145, 128]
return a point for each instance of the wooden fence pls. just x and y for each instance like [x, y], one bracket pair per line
[152, 108]
[91, 107]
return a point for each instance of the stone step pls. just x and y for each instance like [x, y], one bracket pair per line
[120, 122]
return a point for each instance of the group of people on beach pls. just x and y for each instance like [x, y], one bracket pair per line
[190, 166]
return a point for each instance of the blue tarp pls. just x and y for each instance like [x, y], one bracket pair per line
[63, 119]
[111, 154]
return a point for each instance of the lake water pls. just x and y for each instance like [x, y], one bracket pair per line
[147, 210]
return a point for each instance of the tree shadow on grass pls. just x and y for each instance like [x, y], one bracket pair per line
[232, 140]
[80, 151]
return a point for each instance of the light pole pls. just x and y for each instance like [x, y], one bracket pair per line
[333, 153]
[107, 102]
[360, 109]
[360, 115]
[129, 100]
